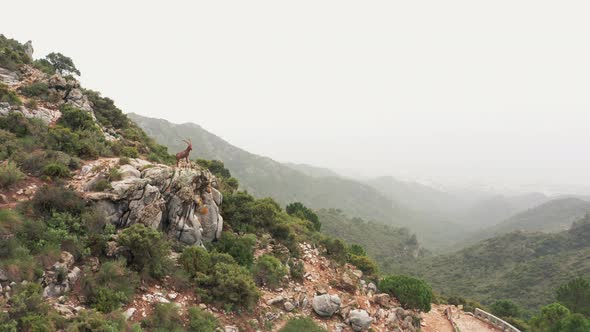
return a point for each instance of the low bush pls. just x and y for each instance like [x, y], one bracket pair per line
[268, 271]
[76, 119]
[90, 320]
[297, 270]
[219, 278]
[412, 293]
[50, 199]
[115, 174]
[56, 170]
[10, 174]
[112, 286]
[299, 210]
[335, 249]
[505, 308]
[241, 248]
[364, 263]
[302, 324]
[102, 185]
[36, 89]
[201, 321]
[164, 318]
[148, 250]
[9, 96]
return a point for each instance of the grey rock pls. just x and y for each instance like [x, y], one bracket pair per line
[326, 305]
[275, 300]
[128, 171]
[129, 313]
[372, 287]
[289, 306]
[3, 199]
[230, 328]
[28, 46]
[360, 320]
[3, 275]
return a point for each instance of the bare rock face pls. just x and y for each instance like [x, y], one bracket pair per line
[179, 201]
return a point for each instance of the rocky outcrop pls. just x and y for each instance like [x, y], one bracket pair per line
[183, 202]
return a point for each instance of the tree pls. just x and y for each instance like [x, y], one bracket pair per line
[62, 63]
[505, 308]
[575, 295]
[299, 210]
[550, 317]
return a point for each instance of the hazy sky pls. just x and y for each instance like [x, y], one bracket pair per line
[491, 92]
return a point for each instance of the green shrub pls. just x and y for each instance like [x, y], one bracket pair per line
[9, 96]
[148, 250]
[50, 199]
[37, 89]
[302, 324]
[241, 248]
[25, 303]
[115, 174]
[575, 295]
[335, 249]
[219, 278]
[216, 167]
[56, 170]
[106, 112]
[112, 286]
[505, 308]
[412, 293]
[101, 185]
[357, 250]
[195, 260]
[124, 161]
[10, 174]
[233, 286]
[201, 321]
[76, 119]
[268, 271]
[164, 318]
[299, 210]
[364, 263]
[90, 320]
[44, 66]
[12, 54]
[9, 145]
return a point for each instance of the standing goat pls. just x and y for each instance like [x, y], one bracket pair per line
[184, 153]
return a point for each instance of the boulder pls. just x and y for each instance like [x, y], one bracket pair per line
[348, 281]
[326, 305]
[289, 306]
[360, 320]
[128, 171]
[382, 299]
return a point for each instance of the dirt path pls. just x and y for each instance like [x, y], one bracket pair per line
[435, 320]
[467, 323]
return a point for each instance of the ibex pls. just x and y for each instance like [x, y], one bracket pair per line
[184, 153]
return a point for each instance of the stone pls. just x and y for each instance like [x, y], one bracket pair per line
[326, 305]
[74, 275]
[3, 275]
[289, 306]
[129, 313]
[348, 281]
[28, 46]
[230, 328]
[64, 310]
[382, 299]
[275, 300]
[360, 320]
[3, 199]
[203, 306]
[172, 296]
[128, 171]
[372, 287]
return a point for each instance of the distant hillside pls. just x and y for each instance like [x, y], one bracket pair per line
[493, 210]
[524, 267]
[553, 216]
[388, 245]
[286, 183]
[312, 170]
